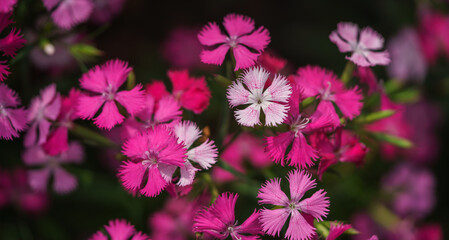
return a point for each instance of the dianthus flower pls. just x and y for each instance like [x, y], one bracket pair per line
[298, 228]
[205, 154]
[63, 181]
[219, 220]
[119, 229]
[241, 36]
[336, 229]
[9, 44]
[43, 109]
[146, 152]
[316, 81]
[7, 5]
[12, 119]
[250, 90]
[300, 124]
[364, 44]
[271, 62]
[68, 13]
[104, 82]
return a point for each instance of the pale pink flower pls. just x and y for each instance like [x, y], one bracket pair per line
[105, 10]
[298, 228]
[104, 82]
[12, 118]
[219, 220]
[250, 90]
[246, 43]
[146, 152]
[9, 44]
[365, 45]
[7, 5]
[63, 181]
[337, 229]
[68, 13]
[204, 154]
[119, 229]
[43, 109]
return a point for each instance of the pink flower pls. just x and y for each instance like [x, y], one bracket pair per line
[273, 220]
[182, 48]
[43, 109]
[219, 220]
[9, 44]
[63, 181]
[337, 229]
[316, 81]
[272, 63]
[119, 229]
[68, 13]
[364, 44]
[241, 36]
[146, 152]
[250, 90]
[7, 5]
[192, 92]
[205, 154]
[367, 77]
[12, 119]
[105, 10]
[164, 111]
[433, 35]
[300, 125]
[157, 90]
[104, 82]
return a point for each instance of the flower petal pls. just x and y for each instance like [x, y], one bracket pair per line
[237, 24]
[211, 35]
[271, 193]
[109, 116]
[273, 220]
[215, 56]
[244, 58]
[249, 116]
[300, 182]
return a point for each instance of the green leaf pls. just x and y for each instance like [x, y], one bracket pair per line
[375, 116]
[222, 79]
[397, 141]
[307, 102]
[406, 96]
[83, 52]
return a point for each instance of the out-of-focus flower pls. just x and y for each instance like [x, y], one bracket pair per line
[119, 229]
[250, 90]
[182, 48]
[407, 60]
[146, 152]
[104, 82]
[241, 36]
[271, 63]
[12, 118]
[429, 232]
[219, 220]
[43, 109]
[9, 44]
[336, 229]
[63, 181]
[365, 45]
[367, 77]
[104, 10]
[157, 90]
[7, 5]
[273, 220]
[433, 35]
[68, 13]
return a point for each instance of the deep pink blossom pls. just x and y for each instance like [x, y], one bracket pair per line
[43, 109]
[146, 152]
[337, 229]
[156, 89]
[63, 181]
[9, 45]
[433, 35]
[205, 154]
[219, 220]
[273, 220]
[104, 82]
[367, 77]
[246, 43]
[317, 81]
[119, 229]
[192, 92]
[182, 48]
[300, 124]
[271, 62]
[105, 10]
[365, 45]
[12, 118]
[68, 13]
[7, 5]
[250, 90]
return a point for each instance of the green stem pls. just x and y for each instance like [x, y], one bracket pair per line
[131, 81]
[347, 72]
[87, 134]
[213, 189]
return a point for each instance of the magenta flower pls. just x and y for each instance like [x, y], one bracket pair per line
[271, 62]
[9, 44]
[43, 109]
[316, 81]
[246, 43]
[367, 77]
[63, 181]
[337, 229]
[298, 228]
[68, 13]
[104, 82]
[119, 229]
[300, 124]
[182, 49]
[12, 119]
[7, 5]
[205, 154]
[219, 220]
[105, 10]
[364, 44]
[250, 90]
[146, 152]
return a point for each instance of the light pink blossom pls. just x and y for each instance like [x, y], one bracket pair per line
[250, 90]
[219, 220]
[7, 5]
[12, 118]
[246, 43]
[104, 82]
[9, 44]
[365, 45]
[273, 220]
[68, 13]
[146, 152]
[119, 229]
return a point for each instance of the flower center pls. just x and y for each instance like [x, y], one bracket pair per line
[299, 124]
[258, 98]
[3, 111]
[326, 93]
[109, 94]
[149, 158]
[232, 41]
[233, 233]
